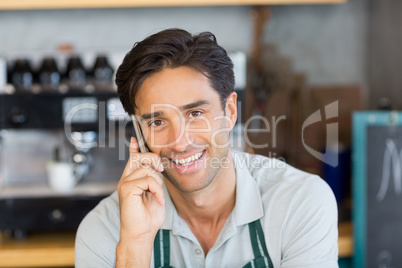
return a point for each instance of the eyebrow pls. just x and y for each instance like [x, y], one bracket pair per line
[182, 108]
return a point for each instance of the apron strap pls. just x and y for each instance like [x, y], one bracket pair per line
[162, 248]
[261, 256]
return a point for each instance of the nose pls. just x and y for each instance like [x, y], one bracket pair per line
[179, 138]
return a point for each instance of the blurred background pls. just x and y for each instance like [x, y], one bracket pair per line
[301, 65]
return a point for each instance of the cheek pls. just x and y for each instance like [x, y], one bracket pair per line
[201, 123]
[199, 129]
[160, 139]
[156, 140]
[220, 135]
[220, 138]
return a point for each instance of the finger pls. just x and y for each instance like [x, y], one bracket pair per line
[156, 190]
[137, 159]
[144, 158]
[134, 148]
[143, 172]
[147, 159]
[139, 186]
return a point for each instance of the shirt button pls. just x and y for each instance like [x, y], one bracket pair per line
[198, 251]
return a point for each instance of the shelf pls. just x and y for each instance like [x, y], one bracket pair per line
[43, 190]
[71, 4]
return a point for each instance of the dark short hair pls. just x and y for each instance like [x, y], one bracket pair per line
[173, 48]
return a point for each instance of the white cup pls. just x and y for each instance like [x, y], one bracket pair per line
[3, 75]
[61, 176]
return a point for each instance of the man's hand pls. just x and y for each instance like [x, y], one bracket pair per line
[142, 211]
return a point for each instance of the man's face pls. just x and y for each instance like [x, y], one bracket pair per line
[184, 123]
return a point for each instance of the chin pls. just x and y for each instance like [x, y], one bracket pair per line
[190, 184]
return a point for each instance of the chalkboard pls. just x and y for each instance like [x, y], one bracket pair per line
[377, 189]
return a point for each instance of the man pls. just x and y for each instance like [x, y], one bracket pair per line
[210, 206]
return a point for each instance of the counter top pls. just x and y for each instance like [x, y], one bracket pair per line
[38, 250]
[345, 239]
[57, 249]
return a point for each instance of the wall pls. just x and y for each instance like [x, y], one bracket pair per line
[115, 30]
[385, 57]
[328, 42]
[324, 41]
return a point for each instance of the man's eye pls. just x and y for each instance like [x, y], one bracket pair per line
[156, 123]
[195, 114]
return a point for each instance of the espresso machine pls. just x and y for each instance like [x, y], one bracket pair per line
[88, 129]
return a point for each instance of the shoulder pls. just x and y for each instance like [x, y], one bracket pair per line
[288, 194]
[106, 213]
[300, 212]
[276, 177]
[98, 234]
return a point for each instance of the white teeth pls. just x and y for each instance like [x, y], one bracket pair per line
[188, 160]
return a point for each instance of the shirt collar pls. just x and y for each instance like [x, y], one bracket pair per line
[171, 213]
[248, 206]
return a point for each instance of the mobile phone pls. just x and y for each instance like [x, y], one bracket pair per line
[140, 137]
[138, 134]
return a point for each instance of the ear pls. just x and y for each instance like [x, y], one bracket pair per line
[231, 109]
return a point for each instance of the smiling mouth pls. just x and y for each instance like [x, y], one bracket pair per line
[189, 160]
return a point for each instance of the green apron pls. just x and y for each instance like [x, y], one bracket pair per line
[261, 256]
